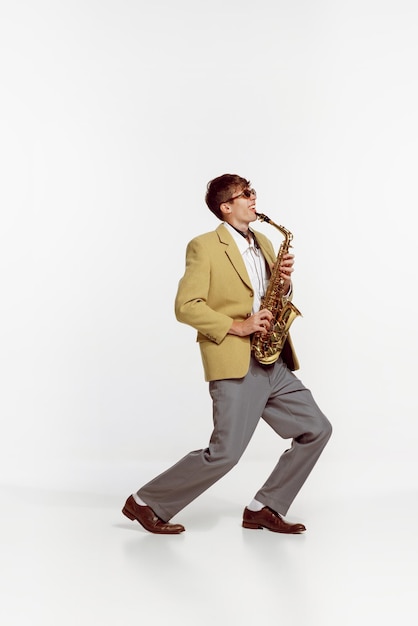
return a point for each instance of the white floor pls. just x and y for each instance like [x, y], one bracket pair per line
[71, 558]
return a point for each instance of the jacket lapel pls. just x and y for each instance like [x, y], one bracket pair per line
[267, 254]
[233, 254]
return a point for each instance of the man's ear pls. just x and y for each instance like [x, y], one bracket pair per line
[225, 208]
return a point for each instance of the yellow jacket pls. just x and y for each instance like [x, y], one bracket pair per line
[214, 291]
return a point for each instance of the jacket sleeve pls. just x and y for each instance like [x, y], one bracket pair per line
[191, 303]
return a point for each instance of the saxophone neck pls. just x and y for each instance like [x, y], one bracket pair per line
[285, 232]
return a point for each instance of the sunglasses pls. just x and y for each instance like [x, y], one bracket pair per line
[246, 193]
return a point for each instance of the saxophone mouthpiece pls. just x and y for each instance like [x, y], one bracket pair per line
[262, 217]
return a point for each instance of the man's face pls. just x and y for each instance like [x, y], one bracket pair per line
[240, 208]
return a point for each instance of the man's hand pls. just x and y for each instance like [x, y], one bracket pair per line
[286, 269]
[259, 322]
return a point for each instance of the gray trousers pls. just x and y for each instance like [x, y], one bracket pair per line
[272, 392]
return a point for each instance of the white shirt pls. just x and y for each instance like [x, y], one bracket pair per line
[255, 265]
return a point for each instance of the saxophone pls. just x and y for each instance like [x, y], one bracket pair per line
[267, 348]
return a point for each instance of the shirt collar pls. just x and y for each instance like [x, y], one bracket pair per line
[240, 238]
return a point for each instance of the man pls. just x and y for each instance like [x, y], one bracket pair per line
[226, 275]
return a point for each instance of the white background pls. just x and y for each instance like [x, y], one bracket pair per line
[114, 115]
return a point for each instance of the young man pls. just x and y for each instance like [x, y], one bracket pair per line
[227, 272]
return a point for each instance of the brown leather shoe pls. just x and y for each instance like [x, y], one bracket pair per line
[149, 520]
[267, 518]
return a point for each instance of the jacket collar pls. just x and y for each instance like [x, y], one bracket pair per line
[233, 253]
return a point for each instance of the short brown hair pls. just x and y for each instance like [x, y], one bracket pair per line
[220, 189]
